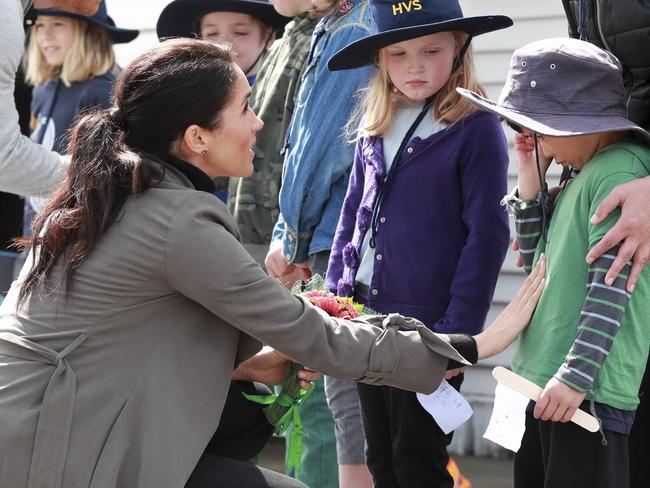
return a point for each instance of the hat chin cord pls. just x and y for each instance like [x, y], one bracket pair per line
[461, 54]
[259, 56]
[544, 197]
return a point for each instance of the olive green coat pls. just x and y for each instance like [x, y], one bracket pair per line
[122, 383]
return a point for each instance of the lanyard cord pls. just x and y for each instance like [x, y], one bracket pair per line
[391, 171]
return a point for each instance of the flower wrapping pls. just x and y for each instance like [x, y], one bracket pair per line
[283, 408]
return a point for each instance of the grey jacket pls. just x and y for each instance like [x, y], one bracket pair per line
[122, 382]
[25, 167]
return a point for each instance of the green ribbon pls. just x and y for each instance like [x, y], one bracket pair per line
[292, 415]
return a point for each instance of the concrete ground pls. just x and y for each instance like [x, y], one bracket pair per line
[483, 472]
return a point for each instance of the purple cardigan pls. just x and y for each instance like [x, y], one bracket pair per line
[443, 234]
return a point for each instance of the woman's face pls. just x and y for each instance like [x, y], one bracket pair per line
[246, 34]
[420, 67]
[230, 146]
[55, 36]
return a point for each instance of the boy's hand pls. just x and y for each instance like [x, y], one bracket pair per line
[558, 402]
[280, 268]
[633, 228]
[527, 177]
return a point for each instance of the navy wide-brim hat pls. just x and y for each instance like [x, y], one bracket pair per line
[562, 87]
[101, 18]
[396, 21]
[181, 18]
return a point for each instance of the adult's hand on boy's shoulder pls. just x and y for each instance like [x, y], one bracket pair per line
[632, 228]
[558, 402]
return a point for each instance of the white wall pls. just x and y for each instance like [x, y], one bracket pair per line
[534, 19]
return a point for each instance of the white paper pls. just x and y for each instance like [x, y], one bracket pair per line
[508, 420]
[447, 407]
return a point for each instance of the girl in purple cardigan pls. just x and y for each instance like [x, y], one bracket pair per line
[421, 231]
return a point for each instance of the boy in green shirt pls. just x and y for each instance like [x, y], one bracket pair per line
[587, 342]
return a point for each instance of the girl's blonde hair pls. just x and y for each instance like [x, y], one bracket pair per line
[377, 111]
[90, 55]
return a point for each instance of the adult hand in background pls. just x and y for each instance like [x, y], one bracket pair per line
[632, 229]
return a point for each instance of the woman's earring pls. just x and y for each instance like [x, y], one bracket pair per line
[204, 152]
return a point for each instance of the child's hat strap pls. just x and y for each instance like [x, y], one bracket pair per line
[461, 54]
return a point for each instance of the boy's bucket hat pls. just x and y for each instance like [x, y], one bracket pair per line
[180, 18]
[395, 21]
[101, 18]
[562, 87]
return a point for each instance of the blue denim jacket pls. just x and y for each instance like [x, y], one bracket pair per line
[318, 156]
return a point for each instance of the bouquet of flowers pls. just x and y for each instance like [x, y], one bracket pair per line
[283, 409]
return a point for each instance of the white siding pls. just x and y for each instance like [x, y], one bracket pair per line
[534, 19]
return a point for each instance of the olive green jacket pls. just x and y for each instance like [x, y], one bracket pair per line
[121, 383]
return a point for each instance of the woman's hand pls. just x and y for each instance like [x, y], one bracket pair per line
[270, 366]
[558, 402]
[515, 317]
[633, 228]
[527, 177]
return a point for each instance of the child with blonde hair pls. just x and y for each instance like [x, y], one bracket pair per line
[421, 231]
[70, 62]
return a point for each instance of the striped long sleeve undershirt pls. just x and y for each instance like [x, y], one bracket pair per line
[529, 224]
[602, 311]
[600, 319]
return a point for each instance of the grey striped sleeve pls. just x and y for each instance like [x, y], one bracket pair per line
[529, 224]
[600, 319]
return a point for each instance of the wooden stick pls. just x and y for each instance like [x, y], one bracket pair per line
[532, 391]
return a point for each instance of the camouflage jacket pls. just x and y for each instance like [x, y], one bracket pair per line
[254, 200]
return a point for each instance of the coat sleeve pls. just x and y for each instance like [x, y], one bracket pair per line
[482, 172]
[347, 221]
[205, 262]
[26, 168]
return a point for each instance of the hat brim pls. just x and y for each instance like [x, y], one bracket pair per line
[118, 35]
[180, 18]
[364, 51]
[554, 125]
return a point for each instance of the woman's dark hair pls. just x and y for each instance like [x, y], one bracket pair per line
[162, 92]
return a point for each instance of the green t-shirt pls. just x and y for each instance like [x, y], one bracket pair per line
[545, 343]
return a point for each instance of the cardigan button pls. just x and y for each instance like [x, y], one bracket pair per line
[374, 291]
[409, 150]
[382, 219]
[379, 257]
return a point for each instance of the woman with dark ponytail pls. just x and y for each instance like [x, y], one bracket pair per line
[138, 306]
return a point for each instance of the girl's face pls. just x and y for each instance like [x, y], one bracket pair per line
[55, 36]
[229, 146]
[291, 8]
[246, 34]
[420, 67]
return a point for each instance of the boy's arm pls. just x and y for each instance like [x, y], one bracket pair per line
[529, 223]
[600, 319]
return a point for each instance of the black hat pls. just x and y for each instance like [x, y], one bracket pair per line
[180, 18]
[101, 18]
[396, 21]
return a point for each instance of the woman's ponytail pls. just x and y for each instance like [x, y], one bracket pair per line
[102, 174]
